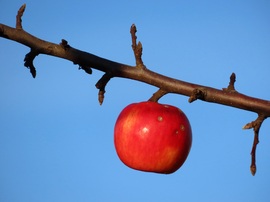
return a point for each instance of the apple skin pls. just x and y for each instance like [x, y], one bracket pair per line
[152, 137]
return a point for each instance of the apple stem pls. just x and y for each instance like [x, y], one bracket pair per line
[157, 95]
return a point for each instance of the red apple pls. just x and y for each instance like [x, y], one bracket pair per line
[152, 137]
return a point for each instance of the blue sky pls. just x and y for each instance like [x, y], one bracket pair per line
[56, 142]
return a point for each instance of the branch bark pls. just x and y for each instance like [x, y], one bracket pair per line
[226, 96]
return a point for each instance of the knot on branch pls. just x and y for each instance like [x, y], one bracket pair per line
[28, 61]
[137, 48]
[64, 44]
[256, 125]
[88, 70]
[231, 87]
[197, 94]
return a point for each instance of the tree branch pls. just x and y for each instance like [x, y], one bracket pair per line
[116, 69]
[227, 96]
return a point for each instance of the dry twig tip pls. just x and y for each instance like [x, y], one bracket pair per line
[19, 16]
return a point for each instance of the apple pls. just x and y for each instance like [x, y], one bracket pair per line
[152, 137]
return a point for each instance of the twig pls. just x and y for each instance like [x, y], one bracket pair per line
[256, 125]
[28, 62]
[101, 84]
[137, 48]
[19, 17]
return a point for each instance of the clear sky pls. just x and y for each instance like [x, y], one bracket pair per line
[56, 142]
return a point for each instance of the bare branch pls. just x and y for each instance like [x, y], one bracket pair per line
[137, 48]
[28, 61]
[116, 69]
[256, 125]
[101, 84]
